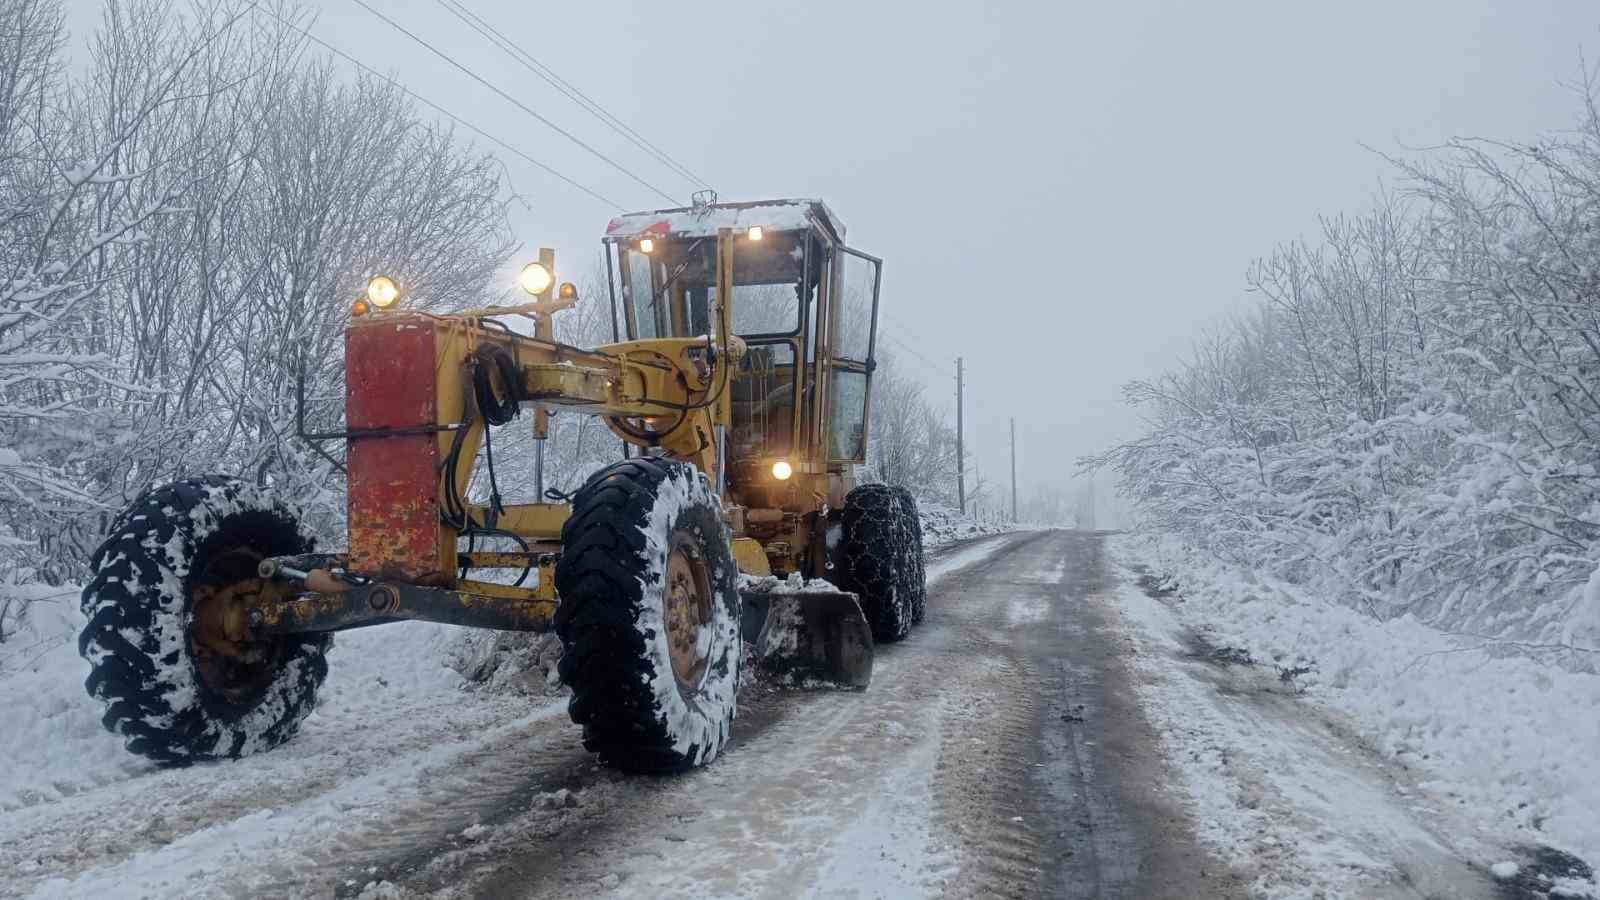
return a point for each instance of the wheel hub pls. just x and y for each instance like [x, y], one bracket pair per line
[687, 601]
[231, 663]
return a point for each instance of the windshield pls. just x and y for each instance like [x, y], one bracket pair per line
[672, 290]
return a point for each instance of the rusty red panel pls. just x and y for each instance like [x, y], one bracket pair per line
[389, 379]
[393, 501]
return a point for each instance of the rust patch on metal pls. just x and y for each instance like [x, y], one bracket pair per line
[393, 501]
[287, 614]
[477, 604]
[687, 610]
[547, 580]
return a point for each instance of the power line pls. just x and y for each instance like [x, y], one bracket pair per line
[942, 370]
[914, 336]
[908, 348]
[515, 102]
[534, 65]
[436, 107]
[903, 327]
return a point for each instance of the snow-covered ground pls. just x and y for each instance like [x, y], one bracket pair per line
[1491, 755]
[81, 812]
[52, 743]
[1313, 753]
[78, 812]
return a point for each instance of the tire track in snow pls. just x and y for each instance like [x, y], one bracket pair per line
[384, 782]
[1297, 803]
[832, 789]
[281, 848]
[127, 825]
[945, 778]
[992, 817]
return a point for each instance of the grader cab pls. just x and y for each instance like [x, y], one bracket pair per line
[738, 382]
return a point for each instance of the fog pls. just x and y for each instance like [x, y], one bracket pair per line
[1063, 193]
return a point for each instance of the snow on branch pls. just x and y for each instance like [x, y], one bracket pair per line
[1409, 417]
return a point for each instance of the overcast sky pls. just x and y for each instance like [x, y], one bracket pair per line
[1063, 192]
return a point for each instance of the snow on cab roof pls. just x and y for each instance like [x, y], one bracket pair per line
[773, 215]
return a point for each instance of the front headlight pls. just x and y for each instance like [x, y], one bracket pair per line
[781, 470]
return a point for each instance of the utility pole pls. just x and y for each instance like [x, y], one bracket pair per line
[1013, 469]
[961, 460]
[544, 329]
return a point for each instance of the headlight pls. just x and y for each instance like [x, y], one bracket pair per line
[755, 233]
[382, 292]
[781, 470]
[646, 245]
[535, 278]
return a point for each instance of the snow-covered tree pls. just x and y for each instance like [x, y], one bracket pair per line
[909, 444]
[1409, 417]
[182, 230]
[74, 217]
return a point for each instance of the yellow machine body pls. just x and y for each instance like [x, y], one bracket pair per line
[684, 385]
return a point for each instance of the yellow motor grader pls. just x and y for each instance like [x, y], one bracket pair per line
[738, 382]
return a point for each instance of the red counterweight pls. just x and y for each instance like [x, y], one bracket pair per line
[393, 506]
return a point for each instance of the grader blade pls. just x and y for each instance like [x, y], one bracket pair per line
[809, 638]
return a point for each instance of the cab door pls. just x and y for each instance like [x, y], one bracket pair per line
[854, 327]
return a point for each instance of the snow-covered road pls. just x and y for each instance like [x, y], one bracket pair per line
[1046, 732]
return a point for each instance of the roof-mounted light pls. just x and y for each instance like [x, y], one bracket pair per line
[535, 278]
[382, 291]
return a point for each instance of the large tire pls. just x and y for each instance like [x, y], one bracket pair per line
[151, 661]
[916, 571]
[649, 616]
[871, 559]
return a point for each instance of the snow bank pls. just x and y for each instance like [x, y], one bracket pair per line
[942, 525]
[52, 742]
[1507, 739]
[40, 617]
[513, 662]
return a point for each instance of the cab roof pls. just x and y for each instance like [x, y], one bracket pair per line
[705, 221]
